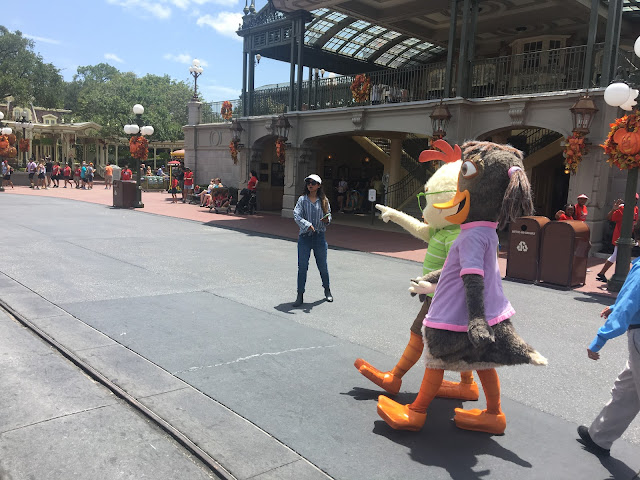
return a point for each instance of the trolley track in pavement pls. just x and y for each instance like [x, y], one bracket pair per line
[218, 470]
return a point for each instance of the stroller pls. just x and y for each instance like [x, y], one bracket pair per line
[248, 204]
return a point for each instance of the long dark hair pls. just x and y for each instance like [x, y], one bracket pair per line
[321, 195]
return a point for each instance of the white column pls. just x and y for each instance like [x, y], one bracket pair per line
[155, 167]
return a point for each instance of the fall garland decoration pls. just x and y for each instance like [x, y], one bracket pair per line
[24, 144]
[574, 150]
[233, 149]
[227, 110]
[6, 146]
[361, 87]
[280, 150]
[623, 143]
[138, 146]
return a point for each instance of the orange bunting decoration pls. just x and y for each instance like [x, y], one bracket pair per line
[573, 152]
[623, 143]
[24, 145]
[280, 151]
[361, 87]
[233, 149]
[138, 146]
[227, 110]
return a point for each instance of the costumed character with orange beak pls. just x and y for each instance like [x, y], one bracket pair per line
[468, 325]
[440, 234]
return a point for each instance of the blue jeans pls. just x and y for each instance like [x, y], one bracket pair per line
[317, 243]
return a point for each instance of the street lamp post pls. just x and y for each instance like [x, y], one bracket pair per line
[4, 131]
[196, 70]
[134, 129]
[623, 93]
[21, 116]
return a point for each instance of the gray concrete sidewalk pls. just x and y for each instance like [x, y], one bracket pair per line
[56, 423]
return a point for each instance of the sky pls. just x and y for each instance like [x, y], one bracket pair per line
[159, 37]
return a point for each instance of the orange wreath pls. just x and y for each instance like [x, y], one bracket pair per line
[280, 151]
[233, 149]
[361, 87]
[573, 152]
[227, 110]
[24, 144]
[622, 143]
[138, 146]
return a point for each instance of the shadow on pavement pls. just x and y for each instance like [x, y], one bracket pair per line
[306, 307]
[441, 444]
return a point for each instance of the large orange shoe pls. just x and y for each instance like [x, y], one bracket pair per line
[398, 416]
[458, 390]
[480, 421]
[385, 380]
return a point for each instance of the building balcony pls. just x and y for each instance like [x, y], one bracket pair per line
[539, 72]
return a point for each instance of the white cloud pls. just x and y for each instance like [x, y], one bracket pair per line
[184, 58]
[216, 93]
[114, 57]
[42, 39]
[158, 10]
[225, 23]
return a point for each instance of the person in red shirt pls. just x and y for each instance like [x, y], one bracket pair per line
[188, 184]
[67, 176]
[55, 175]
[126, 173]
[76, 176]
[252, 184]
[174, 190]
[566, 214]
[615, 215]
[581, 208]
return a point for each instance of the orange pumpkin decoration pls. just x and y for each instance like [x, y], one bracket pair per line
[628, 142]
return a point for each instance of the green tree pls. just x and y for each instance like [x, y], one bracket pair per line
[102, 94]
[24, 75]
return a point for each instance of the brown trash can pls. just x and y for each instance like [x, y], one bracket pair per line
[124, 193]
[523, 256]
[564, 252]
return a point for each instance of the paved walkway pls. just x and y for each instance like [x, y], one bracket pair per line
[355, 232]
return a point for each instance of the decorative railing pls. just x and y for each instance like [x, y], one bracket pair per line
[211, 111]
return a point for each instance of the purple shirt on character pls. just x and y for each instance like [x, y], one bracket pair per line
[473, 252]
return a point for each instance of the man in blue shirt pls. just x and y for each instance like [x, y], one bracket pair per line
[619, 412]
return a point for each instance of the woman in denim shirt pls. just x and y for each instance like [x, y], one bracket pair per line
[312, 214]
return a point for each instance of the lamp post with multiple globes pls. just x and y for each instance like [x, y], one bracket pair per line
[21, 116]
[622, 92]
[196, 70]
[135, 129]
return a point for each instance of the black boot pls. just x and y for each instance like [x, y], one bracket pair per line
[298, 301]
[327, 295]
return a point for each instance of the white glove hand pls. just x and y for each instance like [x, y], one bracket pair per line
[386, 212]
[419, 286]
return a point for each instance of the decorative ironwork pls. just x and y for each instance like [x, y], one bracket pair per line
[268, 14]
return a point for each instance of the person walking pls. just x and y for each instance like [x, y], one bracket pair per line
[312, 213]
[188, 184]
[48, 167]
[7, 170]
[619, 412]
[41, 176]
[89, 176]
[615, 215]
[32, 166]
[67, 175]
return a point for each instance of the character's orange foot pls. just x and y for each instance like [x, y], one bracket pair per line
[480, 421]
[385, 380]
[398, 416]
[459, 390]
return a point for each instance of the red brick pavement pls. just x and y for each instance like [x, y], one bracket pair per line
[347, 231]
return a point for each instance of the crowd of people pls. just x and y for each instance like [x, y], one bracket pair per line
[352, 196]
[45, 174]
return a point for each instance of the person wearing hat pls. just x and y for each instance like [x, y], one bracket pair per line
[312, 213]
[615, 215]
[580, 212]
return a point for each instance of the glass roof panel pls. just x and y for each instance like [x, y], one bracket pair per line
[362, 40]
